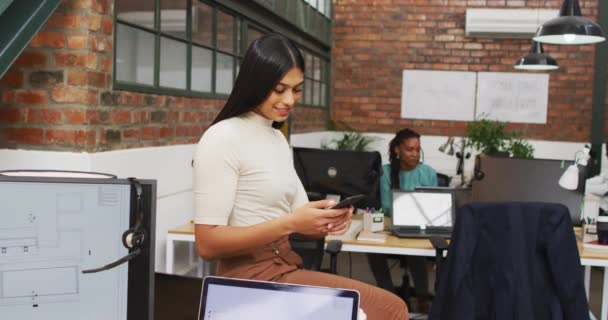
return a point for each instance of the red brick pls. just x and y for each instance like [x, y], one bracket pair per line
[77, 41]
[9, 115]
[31, 97]
[99, 43]
[150, 133]
[120, 116]
[86, 78]
[74, 116]
[29, 59]
[107, 26]
[84, 60]
[22, 135]
[93, 22]
[43, 116]
[8, 97]
[61, 137]
[48, 40]
[74, 95]
[60, 20]
[76, 4]
[12, 79]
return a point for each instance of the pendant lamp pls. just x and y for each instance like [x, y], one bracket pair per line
[536, 59]
[570, 27]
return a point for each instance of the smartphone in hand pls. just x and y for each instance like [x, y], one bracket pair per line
[347, 202]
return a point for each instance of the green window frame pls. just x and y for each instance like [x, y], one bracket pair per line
[149, 38]
[223, 59]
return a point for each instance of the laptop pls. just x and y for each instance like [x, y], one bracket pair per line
[423, 213]
[236, 299]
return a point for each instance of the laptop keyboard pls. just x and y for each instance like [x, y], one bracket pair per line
[418, 233]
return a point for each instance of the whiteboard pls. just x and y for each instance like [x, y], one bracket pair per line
[512, 97]
[438, 95]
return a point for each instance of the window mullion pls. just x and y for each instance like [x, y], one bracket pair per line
[189, 48]
[157, 43]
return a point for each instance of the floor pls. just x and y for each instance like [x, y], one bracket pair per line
[177, 297]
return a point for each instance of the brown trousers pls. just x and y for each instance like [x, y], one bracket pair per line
[278, 262]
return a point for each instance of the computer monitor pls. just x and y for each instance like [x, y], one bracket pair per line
[529, 180]
[345, 173]
[53, 229]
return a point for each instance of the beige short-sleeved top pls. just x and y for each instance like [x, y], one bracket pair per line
[244, 173]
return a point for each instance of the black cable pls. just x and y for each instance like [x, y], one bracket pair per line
[116, 263]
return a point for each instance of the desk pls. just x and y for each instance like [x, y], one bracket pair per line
[402, 246]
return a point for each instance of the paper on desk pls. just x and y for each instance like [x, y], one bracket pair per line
[371, 236]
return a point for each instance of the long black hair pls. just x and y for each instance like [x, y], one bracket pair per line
[266, 62]
[393, 157]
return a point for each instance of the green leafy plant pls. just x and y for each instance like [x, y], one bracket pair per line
[349, 139]
[489, 137]
[520, 148]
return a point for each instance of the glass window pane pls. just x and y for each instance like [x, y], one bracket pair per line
[136, 12]
[322, 95]
[223, 73]
[173, 63]
[308, 62]
[225, 32]
[134, 55]
[239, 36]
[323, 70]
[253, 34]
[202, 23]
[328, 9]
[173, 17]
[315, 94]
[321, 6]
[316, 71]
[307, 91]
[201, 69]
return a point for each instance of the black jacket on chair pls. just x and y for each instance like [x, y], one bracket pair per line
[511, 261]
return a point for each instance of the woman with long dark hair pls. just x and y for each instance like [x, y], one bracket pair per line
[405, 171]
[247, 195]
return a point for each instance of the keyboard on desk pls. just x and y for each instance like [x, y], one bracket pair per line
[416, 232]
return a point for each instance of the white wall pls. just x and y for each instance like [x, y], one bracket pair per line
[170, 167]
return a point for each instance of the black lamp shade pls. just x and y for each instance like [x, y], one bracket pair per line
[536, 59]
[570, 27]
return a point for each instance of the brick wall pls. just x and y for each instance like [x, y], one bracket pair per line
[58, 94]
[375, 40]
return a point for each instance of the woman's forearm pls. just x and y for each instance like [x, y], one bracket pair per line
[214, 242]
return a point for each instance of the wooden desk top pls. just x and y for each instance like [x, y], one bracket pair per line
[396, 242]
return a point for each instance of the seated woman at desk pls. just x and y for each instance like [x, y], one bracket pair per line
[406, 172]
[247, 195]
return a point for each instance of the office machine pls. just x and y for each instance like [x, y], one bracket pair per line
[76, 248]
[501, 179]
[344, 173]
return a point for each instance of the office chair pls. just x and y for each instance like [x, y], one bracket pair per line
[312, 252]
[511, 260]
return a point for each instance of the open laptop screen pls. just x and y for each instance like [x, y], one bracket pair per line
[422, 208]
[235, 299]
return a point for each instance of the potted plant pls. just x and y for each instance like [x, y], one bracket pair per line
[349, 139]
[490, 138]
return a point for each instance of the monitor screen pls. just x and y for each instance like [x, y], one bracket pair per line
[235, 299]
[49, 233]
[343, 173]
[527, 180]
[422, 208]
